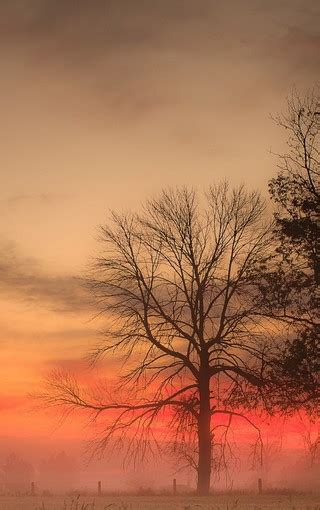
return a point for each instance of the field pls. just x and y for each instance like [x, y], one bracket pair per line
[217, 502]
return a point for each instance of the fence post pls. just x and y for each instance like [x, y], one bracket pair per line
[32, 489]
[260, 485]
[174, 486]
[99, 488]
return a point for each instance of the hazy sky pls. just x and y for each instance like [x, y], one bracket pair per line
[102, 103]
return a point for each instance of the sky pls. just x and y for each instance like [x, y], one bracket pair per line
[104, 103]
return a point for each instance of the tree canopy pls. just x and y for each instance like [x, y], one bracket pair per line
[176, 285]
[290, 284]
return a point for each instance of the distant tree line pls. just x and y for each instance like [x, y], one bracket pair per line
[56, 473]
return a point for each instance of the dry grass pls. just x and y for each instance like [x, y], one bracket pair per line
[218, 502]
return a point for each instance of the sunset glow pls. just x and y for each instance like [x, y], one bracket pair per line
[104, 104]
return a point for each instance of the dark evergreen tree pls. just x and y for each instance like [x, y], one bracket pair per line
[290, 288]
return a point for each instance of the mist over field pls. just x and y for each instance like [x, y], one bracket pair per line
[60, 467]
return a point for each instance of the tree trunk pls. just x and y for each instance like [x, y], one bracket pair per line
[204, 437]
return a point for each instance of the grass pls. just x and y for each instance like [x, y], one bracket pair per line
[214, 502]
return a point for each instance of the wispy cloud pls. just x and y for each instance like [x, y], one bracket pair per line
[124, 59]
[24, 278]
[25, 199]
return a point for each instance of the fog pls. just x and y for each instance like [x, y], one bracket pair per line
[60, 467]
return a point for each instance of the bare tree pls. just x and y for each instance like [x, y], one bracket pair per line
[225, 455]
[175, 285]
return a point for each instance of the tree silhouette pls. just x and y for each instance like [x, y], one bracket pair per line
[17, 474]
[296, 188]
[290, 284]
[175, 284]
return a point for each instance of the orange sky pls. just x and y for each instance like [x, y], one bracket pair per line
[103, 103]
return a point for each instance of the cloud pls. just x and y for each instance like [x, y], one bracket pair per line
[102, 51]
[33, 198]
[112, 22]
[24, 279]
[125, 59]
[303, 45]
[81, 29]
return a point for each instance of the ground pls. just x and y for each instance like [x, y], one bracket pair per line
[215, 502]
